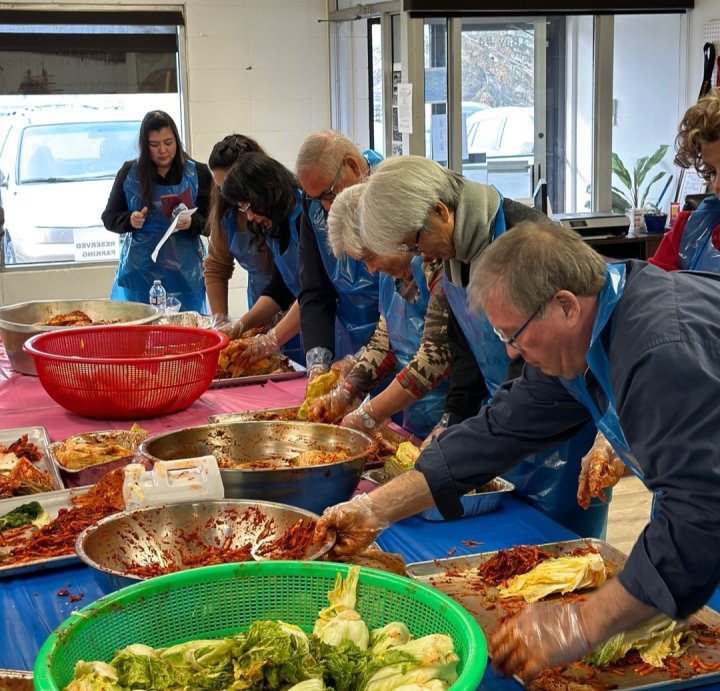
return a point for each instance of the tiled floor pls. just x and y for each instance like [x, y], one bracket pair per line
[629, 512]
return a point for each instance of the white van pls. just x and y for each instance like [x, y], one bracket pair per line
[57, 166]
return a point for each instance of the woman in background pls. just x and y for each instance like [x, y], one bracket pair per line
[146, 196]
[232, 238]
[267, 194]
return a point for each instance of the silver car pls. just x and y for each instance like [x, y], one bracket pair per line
[57, 165]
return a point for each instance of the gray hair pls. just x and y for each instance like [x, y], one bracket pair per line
[343, 222]
[323, 150]
[531, 262]
[401, 193]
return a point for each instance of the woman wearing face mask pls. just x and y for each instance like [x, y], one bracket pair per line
[409, 342]
[267, 194]
[148, 193]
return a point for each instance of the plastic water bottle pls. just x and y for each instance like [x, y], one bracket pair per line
[158, 296]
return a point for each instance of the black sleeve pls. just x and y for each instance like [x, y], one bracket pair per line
[467, 384]
[116, 216]
[318, 299]
[198, 225]
[277, 290]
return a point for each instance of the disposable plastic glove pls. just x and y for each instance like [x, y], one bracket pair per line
[355, 522]
[184, 217]
[232, 327]
[600, 469]
[362, 418]
[331, 406]
[258, 347]
[540, 636]
[317, 362]
[342, 367]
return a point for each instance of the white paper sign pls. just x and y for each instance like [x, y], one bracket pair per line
[169, 232]
[404, 100]
[92, 245]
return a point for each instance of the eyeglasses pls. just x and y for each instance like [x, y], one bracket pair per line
[329, 194]
[402, 247]
[244, 207]
[512, 341]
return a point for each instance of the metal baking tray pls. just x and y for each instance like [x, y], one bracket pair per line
[457, 577]
[89, 475]
[290, 413]
[39, 437]
[52, 502]
[16, 680]
[297, 371]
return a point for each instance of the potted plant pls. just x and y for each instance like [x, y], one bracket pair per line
[633, 196]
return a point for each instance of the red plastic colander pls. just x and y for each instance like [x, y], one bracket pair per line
[123, 372]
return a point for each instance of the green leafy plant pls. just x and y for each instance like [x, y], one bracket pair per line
[635, 192]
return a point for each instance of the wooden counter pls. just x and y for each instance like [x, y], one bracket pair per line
[625, 247]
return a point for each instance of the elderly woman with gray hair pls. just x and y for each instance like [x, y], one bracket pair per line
[410, 340]
[414, 203]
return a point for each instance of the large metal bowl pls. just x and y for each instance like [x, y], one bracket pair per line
[169, 535]
[313, 488]
[21, 321]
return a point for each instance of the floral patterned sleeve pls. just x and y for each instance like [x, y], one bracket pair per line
[431, 363]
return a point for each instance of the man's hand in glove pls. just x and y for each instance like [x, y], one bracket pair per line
[441, 426]
[600, 468]
[258, 347]
[355, 522]
[540, 636]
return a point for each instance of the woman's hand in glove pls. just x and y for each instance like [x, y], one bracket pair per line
[355, 522]
[540, 636]
[333, 405]
[232, 327]
[362, 418]
[258, 347]
[342, 367]
[600, 469]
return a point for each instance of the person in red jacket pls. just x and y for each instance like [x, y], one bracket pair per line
[694, 240]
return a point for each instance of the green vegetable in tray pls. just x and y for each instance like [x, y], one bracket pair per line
[655, 640]
[25, 514]
[275, 655]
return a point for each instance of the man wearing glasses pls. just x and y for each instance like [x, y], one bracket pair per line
[338, 296]
[632, 348]
[414, 204]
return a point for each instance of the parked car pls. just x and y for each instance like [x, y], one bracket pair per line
[500, 147]
[57, 165]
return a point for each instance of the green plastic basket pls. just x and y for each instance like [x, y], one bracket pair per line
[217, 601]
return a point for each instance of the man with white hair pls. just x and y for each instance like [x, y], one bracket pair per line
[338, 296]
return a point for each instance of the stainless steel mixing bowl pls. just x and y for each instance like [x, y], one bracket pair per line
[21, 321]
[172, 534]
[312, 487]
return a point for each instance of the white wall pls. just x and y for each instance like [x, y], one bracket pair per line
[259, 67]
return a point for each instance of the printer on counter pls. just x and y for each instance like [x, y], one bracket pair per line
[595, 223]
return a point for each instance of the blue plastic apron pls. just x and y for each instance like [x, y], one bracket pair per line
[697, 251]
[547, 480]
[357, 289]
[405, 324]
[241, 246]
[607, 422]
[180, 261]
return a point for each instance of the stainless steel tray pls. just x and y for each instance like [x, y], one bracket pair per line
[89, 475]
[16, 680]
[458, 578]
[39, 437]
[52, 502]
[297, 372]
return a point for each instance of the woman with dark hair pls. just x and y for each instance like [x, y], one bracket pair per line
[232, 238]
[267, 194]
[147, 194]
